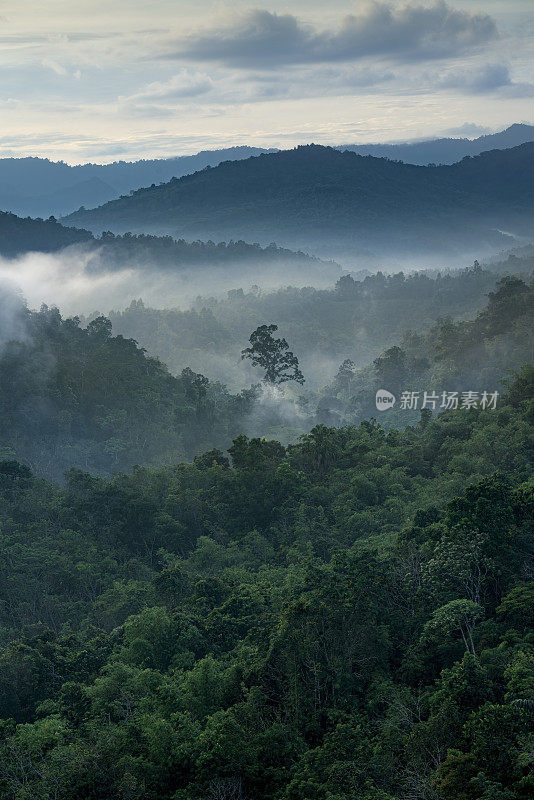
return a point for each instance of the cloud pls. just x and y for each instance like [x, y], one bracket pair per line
[406, 32]
[224, 89]
[184, 84]
[468, 129]
[59, 69]
[479, 80]
[484, 79]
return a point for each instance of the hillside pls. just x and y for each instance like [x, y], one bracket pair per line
[39, 187]
[80, 397]
[446, 150]
[337, 203]
[18, 235]
[350, 617]
[474, 355]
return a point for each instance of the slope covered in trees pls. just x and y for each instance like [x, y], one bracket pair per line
[161, 253]
[337, 202]
[18, 235]
[71, 396]
[355, 320]
[350, 617]
[452, 357]
[39, 187]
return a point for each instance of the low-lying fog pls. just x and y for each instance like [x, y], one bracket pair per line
[320, 331]
[77, 282]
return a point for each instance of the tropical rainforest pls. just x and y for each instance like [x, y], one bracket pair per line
[266, 520]
[347, 617]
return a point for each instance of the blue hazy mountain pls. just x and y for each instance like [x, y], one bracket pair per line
[446, 150]
[38, 187]
[337, 202]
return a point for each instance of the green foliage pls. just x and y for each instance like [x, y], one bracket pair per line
[74, 397]
[331, 620]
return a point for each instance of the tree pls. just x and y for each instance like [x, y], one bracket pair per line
[390, 368]
[273, 355]
[458, 615]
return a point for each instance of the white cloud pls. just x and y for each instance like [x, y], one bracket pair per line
[185, 84]
[468, 130]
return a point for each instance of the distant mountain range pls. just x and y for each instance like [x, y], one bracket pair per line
[337, 203]
[445, 151]
[38, 187]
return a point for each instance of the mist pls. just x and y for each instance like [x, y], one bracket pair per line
[12, 314]
[79, 280]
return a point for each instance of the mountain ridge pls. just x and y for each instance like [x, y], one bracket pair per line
[90, 184]
[322, 198]
[446, 150]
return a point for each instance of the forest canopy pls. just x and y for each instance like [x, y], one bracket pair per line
[347, 617]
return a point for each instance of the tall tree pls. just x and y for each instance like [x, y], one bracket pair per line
[273, 355]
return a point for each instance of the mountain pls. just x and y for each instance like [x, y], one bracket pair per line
[22, 180]
[445, 151]
[338, 203]
[18, 236]
[38, 187]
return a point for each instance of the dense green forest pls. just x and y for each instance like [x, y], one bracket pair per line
[458, 357]
[356, 320]
[72, 396]
[350, 617]
[338, 203]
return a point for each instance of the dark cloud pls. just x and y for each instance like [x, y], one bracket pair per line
[405, 32]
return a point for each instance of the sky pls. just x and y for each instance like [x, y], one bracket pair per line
[87, 80]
